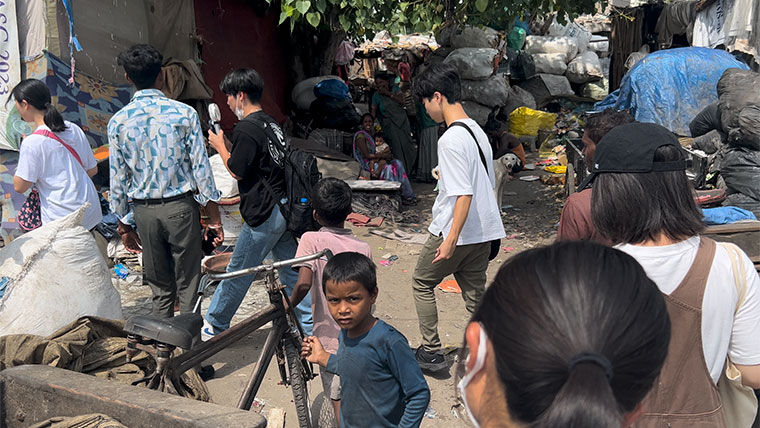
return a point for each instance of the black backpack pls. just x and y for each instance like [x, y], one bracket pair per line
[301, 174]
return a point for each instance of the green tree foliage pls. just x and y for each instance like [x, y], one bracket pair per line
[364, 18]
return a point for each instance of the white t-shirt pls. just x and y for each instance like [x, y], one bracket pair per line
[722, 332]
[63, 184]
[461, 174]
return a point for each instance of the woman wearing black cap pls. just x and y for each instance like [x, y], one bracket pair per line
[570, 335]
[643, 202]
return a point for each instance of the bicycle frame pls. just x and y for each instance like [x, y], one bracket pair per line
[276, 312]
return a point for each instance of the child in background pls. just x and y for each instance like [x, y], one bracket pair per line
[381, 148]
[331, 199]
[382, 384]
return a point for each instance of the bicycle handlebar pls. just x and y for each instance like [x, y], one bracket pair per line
[276, 265]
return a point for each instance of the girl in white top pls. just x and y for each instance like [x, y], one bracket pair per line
[64, 185]
[643, 202]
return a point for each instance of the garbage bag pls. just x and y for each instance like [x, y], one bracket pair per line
[584, 68]
[474, 37]
[739, 107]
[526, 121]
[740, 168]
[550, 63]
[748, 132]
[57, 275]
[521, 65]
[596, 90]
[491, 92]
[474, 63]
[478, 112]
[670, 87]
[518, 97]
[744, 202]
[303, 92]
[332, 88]
[546, 44]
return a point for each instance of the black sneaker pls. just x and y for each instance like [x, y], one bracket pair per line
[430, 361]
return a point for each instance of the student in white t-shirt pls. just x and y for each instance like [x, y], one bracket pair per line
[643, 202]
[63, 183]
[465, 216]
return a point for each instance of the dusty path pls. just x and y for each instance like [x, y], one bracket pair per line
[531, 222]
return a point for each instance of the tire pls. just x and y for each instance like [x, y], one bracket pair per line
[297, 383]
[322, 412]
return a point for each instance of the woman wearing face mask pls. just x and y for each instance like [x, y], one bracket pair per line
[570, 335]
[56, 159]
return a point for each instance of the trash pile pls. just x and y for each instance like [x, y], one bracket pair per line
[740, 119]
[568, 60]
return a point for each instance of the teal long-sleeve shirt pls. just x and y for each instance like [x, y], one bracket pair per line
[381, 383]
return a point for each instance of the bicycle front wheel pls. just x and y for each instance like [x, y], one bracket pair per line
[297, 380]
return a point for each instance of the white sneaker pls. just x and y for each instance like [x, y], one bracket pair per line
[207, 332]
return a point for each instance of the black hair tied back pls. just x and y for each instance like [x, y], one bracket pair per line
[37, 95]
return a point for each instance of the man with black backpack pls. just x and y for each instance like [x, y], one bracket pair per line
[257, 158]
[466, 227]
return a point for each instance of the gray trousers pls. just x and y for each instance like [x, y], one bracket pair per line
[468, 264]
[171, 238]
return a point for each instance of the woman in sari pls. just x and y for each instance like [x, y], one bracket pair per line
[387, 106]
[381, 165]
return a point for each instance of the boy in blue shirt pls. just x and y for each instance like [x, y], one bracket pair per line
[381, 383]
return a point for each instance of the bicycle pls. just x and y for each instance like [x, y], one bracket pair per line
[283, 340]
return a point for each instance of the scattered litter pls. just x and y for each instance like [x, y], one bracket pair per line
[508, 249]
[546, 162]
[258, 405]
[530, 178]
[510, 193]
[450, 286]
[393, 258]
[556, 169]
[416, 230]
[405, 271]
[362, 220]
[506, 207]
[515, 236]
[430, 413]
[121, 271]
[386, 262]
[529, 167]
[386, 255]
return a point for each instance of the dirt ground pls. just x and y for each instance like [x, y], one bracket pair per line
[530, 222]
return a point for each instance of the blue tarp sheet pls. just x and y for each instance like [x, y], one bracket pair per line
[670, 87]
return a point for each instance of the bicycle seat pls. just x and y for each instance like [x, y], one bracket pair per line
[178, 331]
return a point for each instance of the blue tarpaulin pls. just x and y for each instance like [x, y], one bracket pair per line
[670, 87]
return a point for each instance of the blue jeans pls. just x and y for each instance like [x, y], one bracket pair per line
[253, 244]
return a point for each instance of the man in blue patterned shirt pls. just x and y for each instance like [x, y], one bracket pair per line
[159, 162]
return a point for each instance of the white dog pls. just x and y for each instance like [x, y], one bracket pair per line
[502, 168]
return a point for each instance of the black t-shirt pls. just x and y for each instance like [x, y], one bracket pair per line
[707, 120]
[252, 161]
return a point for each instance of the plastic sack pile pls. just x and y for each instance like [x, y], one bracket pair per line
[55, 276]
[670, 87]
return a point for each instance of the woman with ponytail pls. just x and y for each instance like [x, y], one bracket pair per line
[570, 335]
[56, 159]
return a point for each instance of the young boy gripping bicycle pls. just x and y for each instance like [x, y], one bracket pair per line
[382, 384]
[331, 199]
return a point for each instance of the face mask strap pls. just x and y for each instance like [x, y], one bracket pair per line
[480, 359]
